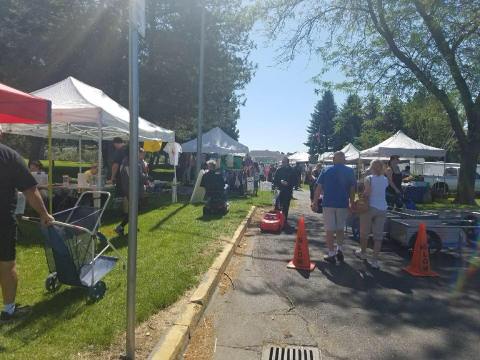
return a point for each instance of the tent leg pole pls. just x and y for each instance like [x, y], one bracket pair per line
[50, 169]
[100, 159]
[80, 152]
[97, 201]
[174, 186]
[200, 92]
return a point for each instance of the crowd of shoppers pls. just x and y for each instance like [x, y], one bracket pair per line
[336, 185]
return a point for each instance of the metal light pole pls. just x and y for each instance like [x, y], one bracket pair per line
[133, 177]
[200, 91]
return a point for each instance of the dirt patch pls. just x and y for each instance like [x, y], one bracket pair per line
[147, 334]
[202, 343]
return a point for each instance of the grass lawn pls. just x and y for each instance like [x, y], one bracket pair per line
[175, 246]
[448, 204]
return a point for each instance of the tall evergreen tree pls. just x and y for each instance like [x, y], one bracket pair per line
[373, 109]
[372, 131]
[348, 122]
[321, 128]
[393, 119]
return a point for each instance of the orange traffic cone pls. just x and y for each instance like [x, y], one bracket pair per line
[301, 258]
[420, 264]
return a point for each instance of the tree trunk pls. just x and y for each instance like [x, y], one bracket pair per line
[466, 178]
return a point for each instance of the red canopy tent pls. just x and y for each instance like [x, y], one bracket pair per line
[19, 107]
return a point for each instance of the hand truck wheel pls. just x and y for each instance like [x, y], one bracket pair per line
[97, 291]
[51, 283]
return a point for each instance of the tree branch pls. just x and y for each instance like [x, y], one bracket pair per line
[463, 37]
[449, 56]
[382, 27]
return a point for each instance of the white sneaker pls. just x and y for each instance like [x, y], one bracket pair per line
[359, 254]
[374, 264]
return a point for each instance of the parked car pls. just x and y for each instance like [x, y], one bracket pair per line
[449, 182]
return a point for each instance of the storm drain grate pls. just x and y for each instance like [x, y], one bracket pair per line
[273, 352]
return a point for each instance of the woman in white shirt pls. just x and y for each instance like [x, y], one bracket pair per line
[373, 220]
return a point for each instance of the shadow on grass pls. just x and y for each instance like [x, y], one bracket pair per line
[211, 217]
[46, 314]
[169, 216]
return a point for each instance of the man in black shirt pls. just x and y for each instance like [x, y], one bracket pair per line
[285, 180]
[120, 157]
[120, 154]
[14, 175]
[213, 182]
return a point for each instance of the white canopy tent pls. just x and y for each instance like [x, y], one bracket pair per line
[216, 141]
[299, 157]
[351, 154]
[403, 146]
[82, 112]
[325, 156]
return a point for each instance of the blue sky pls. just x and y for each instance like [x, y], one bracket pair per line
[280, 99]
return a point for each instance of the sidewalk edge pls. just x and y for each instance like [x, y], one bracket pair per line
[172, 344]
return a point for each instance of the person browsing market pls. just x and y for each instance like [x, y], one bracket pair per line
[337, 184]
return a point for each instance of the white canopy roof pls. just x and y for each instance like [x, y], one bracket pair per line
[325, 156]
[403, 146]
[350, 151]
[266, 155]
[299, 156]
[80, 111]
[216, 141]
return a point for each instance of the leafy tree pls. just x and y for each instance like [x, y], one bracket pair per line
[393, 46]
[44, 41]
[348, 122]
[321, 128]
[427, 121]
[371, 136]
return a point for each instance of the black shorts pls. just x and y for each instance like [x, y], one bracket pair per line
[8, 239]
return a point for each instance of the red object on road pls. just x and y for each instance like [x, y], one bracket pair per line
[420, 264]
[272, 222]
[17, 107]
[301, 257]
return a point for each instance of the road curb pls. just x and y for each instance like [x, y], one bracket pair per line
[172, 344]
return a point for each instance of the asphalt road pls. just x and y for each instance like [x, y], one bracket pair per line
[348, 311]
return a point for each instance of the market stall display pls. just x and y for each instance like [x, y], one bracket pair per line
[80, 112]
[218, 145]
[216, 141]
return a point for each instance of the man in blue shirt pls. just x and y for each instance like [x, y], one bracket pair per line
[337, 184]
